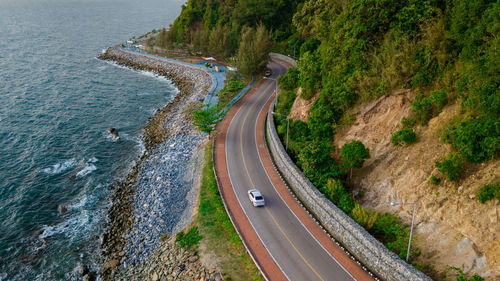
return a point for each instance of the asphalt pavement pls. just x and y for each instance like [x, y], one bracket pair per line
[298, 254]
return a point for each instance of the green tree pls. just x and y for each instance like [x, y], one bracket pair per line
[354, 154]
[205, 118]
[253, 53]
[309, 74]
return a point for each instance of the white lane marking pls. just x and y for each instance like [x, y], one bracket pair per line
[239, 201]
[279, 195]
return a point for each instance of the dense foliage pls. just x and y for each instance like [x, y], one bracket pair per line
[229, 91]
[226, 28]
[205, 118]
[451, 165]
[488, 192]
[404, 137]
[354, 154]
[352, 51]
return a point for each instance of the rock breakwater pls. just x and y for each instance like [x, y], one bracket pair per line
[158, 196]
[170, 262]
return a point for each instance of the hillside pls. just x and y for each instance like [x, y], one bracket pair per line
[453, 228]
[422, 75]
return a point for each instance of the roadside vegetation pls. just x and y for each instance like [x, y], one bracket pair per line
[232, 87]
[217, 230]
[355, 51]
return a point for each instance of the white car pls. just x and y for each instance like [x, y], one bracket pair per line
[256, 197]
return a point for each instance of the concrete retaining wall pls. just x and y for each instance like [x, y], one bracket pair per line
[355, 238]
[287, 59]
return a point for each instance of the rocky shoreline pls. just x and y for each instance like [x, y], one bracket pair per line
[158, 196]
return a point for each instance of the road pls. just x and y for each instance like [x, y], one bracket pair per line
[297, 253]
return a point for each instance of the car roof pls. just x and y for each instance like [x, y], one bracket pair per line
[255, 191]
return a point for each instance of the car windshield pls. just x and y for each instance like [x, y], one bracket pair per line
[258, 197]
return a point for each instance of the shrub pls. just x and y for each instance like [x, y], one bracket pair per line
[335, 191]
[389, 231]
[451, 166]
[434, 180]
[408, 122]
[364, 217]
[425, 108]
[488, 192]
[230, 90]
[190, 239]
[404, 137]
[314, 160]
[290, 80]
[164, 237]
[462, 277]
[205, 118]
[478, 139]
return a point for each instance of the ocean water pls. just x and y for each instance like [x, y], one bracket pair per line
[56, 102]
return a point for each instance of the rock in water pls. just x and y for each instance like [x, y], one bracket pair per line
[84, 270]
[114, 133]
[63, 209]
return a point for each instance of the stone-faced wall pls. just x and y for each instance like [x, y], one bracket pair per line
[355, 238]
[283, 58]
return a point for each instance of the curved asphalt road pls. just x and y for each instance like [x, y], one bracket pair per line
[296, 252]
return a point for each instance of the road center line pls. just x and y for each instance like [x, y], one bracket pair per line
[269, 212]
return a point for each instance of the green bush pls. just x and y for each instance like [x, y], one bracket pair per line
[424, 109]
[335, 191]
[408, 122]
[388, 230]
[354, 154]
[164, 237]
[309, 74]
[364, 217]
[190, 239]
[404, 137]
[488, 192]
[205, 118]
[462, 277]
[478, 139]
[451, 166]
[314, 160]
[290, 80]
[434, 180]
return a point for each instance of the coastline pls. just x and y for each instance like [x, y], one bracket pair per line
[137, 218]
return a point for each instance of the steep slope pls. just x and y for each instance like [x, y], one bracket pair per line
[453, 228]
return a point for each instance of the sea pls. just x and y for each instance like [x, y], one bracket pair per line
[57, 101]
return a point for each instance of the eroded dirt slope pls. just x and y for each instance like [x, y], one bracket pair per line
[453, 228]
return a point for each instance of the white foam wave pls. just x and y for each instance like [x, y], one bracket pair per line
[143, 72]
[60, 167]
[93, 160]
[73, 225]
[82, 202]
[89, 168]
[154, 75]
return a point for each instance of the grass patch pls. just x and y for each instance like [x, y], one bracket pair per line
[190, 239]
[218, 232]
[230, 90]
[434, 180]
